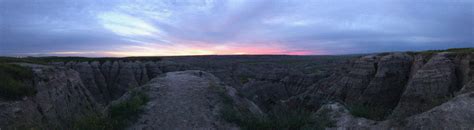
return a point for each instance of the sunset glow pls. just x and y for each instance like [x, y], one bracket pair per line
[183, 50]
[230, 27]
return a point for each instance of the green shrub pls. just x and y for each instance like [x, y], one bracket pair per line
[461, 50]
[440, 100]
[128, 110]
[297, 118]
[119, 115]
[93, 122]
[279, 117]
[369, 112]
[455, 50]
[13, 81]
[21, 60]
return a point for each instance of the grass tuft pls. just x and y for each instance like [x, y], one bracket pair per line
[13, 81]
[119, 115]
[128, 110]
[279, 117]
[93, 122]
[369, 112]
[455, 50]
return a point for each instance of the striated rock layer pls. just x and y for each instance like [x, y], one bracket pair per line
[61, 98]
[399, 84]
[109, 80]
[428, 87]
[454, 114]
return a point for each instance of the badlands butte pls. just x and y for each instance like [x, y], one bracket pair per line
[399, 90]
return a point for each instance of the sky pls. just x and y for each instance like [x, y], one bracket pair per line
[117, 28]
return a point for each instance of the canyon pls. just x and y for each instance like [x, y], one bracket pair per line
[407, 90]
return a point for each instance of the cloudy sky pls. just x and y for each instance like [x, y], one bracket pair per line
[196, 27]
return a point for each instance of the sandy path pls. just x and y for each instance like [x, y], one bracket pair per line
[181, 100]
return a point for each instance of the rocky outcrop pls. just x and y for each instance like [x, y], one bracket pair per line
[430, 86]
[468, 87]
[109, 80]
[187, 100]
[342, 86]
[375, 80]
[413, 85]
[356, 81]
[61, 98]
[407, 83]
[343, 118]
[454, 114]
[385, 89]
[466, 73]
[276, 87]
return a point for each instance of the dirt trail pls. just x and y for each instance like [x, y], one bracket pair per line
[182, 100]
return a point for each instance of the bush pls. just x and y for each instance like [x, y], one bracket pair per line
[455, 50]
[119, 115]
[280, 117]
[369, 112]
[440, 100]
[461, 50]
[93, 122]
[277, 118]
[128, 110]
[13, 81]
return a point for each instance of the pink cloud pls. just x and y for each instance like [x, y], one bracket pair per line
[201, 48]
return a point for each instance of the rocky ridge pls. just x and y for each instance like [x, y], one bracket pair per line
[109, 80]
[187, 100]
[414, 90]
[60, 98]
[454, 114]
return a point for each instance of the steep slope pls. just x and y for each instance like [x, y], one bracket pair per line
[407, 83]
[388, 83]
[373, 80]
[454, 114]
[186, 100]
[428, 87]
[61, 98]
[109, 80]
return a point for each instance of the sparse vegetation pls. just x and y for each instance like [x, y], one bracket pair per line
[128, 110]
[430, 53]
[101, 60]
[93, 122]
[279, 117]
[118, 117]
[440, 100]
[244, 79]
[456, 50]
[13, 81]
[369, 112]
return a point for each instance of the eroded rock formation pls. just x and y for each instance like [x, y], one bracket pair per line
[109, 80]
[61, 98]
[415, 90]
